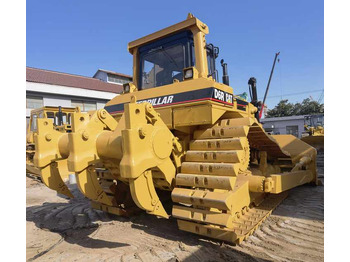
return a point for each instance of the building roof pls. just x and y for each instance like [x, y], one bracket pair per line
[112, 72]
[64, 79]
[282, 118]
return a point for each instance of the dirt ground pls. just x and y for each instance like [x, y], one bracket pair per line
[59, 229]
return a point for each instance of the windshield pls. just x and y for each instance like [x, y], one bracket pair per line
[162, 62]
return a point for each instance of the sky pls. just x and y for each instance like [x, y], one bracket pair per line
[78, 37]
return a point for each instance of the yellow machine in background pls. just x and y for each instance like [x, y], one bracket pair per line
[314, 136]
[314, 131]
[61, 119]
[177, 129]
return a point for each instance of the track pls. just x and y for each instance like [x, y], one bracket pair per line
[213, 173]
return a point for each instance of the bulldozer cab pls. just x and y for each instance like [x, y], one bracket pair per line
[175, 67]
[164, 57]
[162, 62]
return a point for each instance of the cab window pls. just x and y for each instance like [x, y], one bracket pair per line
[65, 119]
[162, 62]
[51, 115]
[33, 124]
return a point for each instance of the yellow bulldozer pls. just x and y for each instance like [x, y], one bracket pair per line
[60, 117]
[177, 129]
[314, 131]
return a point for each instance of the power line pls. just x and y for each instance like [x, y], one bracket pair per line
[321, 97]
[299, 93]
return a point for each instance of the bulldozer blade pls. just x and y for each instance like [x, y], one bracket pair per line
[314, 141]
[145, 196]
[88, 184]
[50, 175]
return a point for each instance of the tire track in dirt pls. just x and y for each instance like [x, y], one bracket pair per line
[294, 232]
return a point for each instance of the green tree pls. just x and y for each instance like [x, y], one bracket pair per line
[307, 107]
[283, 108]
[310, 107]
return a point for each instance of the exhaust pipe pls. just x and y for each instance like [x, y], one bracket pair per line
[252, 90]
[60, 116]
[225, 78]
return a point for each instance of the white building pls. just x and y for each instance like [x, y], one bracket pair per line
[293, 125]
[50, 88]
[112, 77]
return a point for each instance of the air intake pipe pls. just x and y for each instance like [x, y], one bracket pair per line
[254, 96]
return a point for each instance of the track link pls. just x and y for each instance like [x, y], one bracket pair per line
[240, 227]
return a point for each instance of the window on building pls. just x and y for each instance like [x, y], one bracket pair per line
[33, 102]
[78, 103]
[292, 130]
[89, 106]
[117, 79]
[84, 105]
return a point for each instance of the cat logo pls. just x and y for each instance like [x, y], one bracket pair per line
[229, 98]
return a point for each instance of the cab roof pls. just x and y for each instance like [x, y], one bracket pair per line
[53, 109]
[190, 23]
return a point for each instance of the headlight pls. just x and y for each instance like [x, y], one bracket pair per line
[126, 88]
[188, 73]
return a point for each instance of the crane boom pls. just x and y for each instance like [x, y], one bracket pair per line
[268, 84]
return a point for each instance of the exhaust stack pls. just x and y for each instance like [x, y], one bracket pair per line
[60, 116]
[225, 78]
